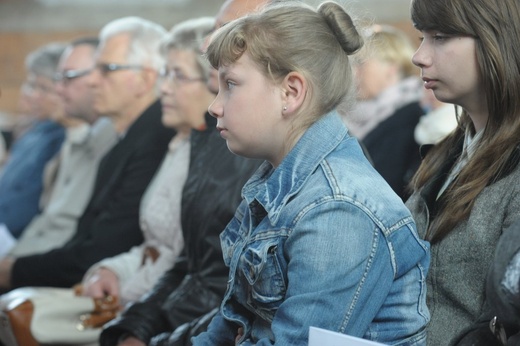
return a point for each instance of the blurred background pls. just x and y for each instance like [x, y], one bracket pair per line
[27, 24]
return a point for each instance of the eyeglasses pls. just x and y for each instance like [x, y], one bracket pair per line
[177, 77]
[105, 69]
[68, 75]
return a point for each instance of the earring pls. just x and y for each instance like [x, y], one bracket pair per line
[284, 108]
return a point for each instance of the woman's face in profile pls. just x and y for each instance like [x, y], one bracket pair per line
[449, 68]
[184, 94]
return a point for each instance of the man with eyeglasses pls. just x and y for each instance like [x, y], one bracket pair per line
[69, 177]
[128, 94]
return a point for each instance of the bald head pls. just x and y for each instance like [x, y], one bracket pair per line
[231, 10]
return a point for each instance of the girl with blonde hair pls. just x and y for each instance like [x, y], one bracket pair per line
[320, 239]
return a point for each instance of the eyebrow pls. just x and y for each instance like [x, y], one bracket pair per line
[223, 72]
[226, 72]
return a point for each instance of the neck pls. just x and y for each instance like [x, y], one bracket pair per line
[479, 116]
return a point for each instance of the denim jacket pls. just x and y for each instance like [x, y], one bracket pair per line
[321, 241]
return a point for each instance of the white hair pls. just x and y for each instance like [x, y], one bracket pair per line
[145, 36]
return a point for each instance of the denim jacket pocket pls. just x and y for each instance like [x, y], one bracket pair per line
[261, 269]
[229, 240]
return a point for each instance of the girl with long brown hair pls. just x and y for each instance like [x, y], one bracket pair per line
[466, 190]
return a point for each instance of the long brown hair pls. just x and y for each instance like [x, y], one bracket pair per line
[495, 24]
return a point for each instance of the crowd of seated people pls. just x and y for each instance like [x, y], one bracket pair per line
[208, 175]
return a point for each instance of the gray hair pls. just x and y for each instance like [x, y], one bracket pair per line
[145, 36]
[44, 60]
[190, 35]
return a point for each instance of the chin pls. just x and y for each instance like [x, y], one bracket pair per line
[234, 150]
[168, 122]
[240, 151]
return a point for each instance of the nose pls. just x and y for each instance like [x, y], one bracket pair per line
[421, 57]
[216, 108]
[165, 86]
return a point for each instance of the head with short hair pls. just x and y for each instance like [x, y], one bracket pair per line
[145, 39]
[71, 80]
[292, 36]
[189, 35]
[384, 61]
[184, 93]
[387, 43]
[125, 78]
[44, 60]
[41, 66]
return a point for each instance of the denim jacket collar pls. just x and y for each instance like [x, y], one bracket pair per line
[272, 188]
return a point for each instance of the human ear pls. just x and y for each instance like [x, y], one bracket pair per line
[148, 79]
[294, 88]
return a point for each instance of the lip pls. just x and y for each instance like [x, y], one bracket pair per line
[166, 105]
[429, 83]
[221, 130]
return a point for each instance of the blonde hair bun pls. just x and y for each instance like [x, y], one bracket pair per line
[342, 26]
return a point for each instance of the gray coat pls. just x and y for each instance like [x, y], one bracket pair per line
[456, 281]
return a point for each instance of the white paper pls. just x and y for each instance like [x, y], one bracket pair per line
[322, 337]
[7, 241]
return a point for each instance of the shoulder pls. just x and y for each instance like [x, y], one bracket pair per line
[346, 175]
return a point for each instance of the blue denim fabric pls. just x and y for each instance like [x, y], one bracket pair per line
[322, 241]
[21, 180]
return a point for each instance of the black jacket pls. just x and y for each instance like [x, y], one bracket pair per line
[197, 282]
[110, 223]
[393, 149]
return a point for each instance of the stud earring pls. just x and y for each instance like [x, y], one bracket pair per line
[284, 108]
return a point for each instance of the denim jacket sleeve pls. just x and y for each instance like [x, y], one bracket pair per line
[220, 332]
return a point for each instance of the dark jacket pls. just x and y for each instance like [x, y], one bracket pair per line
[393, 149]
[197, 282]
[110, 222]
